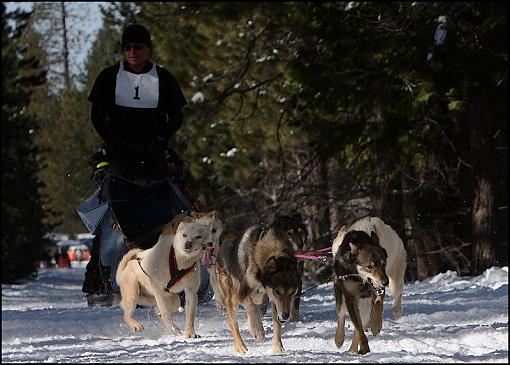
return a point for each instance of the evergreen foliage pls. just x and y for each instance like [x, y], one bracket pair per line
[330, 110]
[22, 211]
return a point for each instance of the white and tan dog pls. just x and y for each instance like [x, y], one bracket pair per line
[371, 309]
[156, 276]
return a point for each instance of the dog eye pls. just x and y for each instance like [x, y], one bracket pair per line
[198, 237]
[370, 266]
[184, 235]
[276, 291]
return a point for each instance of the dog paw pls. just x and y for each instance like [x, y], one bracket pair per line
[173, 329]
[363, 350]
[339, 337]
[376, 327]
[259, 336]
[241, 348]
[136, 327]
[176, 331]
[278, 348]
[188, 334]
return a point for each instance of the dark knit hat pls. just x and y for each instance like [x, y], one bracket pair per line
[136, 33]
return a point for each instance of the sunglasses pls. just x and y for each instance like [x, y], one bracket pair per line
[136, 47]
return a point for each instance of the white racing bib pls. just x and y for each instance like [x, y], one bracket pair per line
[137, 91]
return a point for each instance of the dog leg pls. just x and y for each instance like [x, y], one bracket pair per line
[340, 311]
[397, 284]
[225, 287]
[397, 306]
[172, 303]
[396, 289]
[232, 308]
[365, 309]
[254, 320]
[218, 299]
[359, 339]
[191, 309]
[294, 317]
[129, 290]
[277, 332]
[376, 318]
[165, 315]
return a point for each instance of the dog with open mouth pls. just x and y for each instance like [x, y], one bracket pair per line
[359, 275]
[155, 276]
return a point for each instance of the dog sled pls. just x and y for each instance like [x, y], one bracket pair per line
[123, 214]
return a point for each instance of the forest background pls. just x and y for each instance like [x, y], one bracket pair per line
[332, 111]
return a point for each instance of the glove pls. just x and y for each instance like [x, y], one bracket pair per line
[99, 163]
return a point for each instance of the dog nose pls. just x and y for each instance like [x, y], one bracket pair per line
[210, 244]
[188, 244]
[285, 316]
[385, 282]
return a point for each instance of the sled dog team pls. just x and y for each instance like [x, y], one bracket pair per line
[261, 265]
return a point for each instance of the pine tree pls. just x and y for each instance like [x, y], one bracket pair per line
[67, 138]
[22, 211]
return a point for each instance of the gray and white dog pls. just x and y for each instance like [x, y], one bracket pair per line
[260, 262]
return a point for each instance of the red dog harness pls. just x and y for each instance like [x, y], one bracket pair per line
[175, 274]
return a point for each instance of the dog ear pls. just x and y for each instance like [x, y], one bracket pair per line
[375, 238]
[196, 215]
[342, 231]
[354, 248]
[271, 265]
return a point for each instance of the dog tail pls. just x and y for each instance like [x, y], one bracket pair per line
[130, 255]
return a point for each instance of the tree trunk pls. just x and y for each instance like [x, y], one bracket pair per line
[334, 186]
[415, 246]
[67, 78]
[484, 183]
[318, 206]
[379, 205]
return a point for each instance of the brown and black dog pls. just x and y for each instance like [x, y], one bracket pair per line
[360, 274]
[295, 230]
[259, 263]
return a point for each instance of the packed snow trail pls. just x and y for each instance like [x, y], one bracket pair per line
[446, 319]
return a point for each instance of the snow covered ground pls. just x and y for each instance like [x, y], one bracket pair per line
[446, 319]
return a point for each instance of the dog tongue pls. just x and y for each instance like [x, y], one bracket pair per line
[207, 259]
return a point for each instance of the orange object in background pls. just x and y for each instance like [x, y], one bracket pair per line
[63, 261]
[78, 253]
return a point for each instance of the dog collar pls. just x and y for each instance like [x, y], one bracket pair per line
[379, 291]
[342, 277]
[175, 274]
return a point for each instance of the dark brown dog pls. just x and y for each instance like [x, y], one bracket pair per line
[360, 274]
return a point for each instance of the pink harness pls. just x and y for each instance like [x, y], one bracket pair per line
[314, 254]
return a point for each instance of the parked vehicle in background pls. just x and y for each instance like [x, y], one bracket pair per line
[78, 253]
